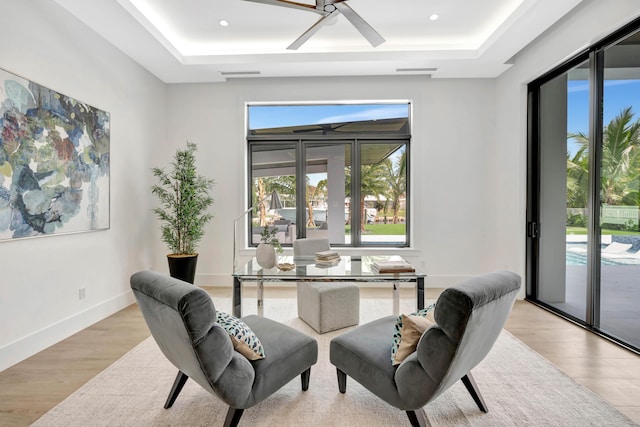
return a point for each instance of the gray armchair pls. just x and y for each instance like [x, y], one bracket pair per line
[469, 318]
[182, 320]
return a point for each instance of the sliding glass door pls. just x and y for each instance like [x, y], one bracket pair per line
[619, 309]
[583, 195]
[563, 182]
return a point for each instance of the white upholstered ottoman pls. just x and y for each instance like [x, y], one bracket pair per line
[327, 306]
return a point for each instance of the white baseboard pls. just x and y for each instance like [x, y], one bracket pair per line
[35, 342]
[213, 280]
[444, 280]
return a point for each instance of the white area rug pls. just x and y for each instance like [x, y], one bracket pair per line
[520, 388]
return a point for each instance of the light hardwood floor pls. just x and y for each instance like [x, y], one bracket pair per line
[32, 387]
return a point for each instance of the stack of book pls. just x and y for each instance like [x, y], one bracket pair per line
[396, 266]
[327, 258]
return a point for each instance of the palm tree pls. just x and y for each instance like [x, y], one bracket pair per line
[621, 141]
[261, 191]
[284, 185]
[620, 158]
[396, 177]
[313, 192]
[577, 179]
[372, 183]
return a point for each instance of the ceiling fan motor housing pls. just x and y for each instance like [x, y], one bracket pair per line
[329, 9]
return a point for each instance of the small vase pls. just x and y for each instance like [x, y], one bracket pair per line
[266, 255]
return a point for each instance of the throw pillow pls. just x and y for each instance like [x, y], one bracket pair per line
[244, 340]
[412, 329]
[398, 333]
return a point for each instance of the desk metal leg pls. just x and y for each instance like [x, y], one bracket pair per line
[236, 298]
[420, 293]
[260, 298]
[396, 299]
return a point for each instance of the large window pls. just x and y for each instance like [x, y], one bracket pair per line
[330, 170]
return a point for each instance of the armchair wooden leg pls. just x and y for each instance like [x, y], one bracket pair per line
[305, 376]
[417, 418]
[342, 381]
[473, 389]
[233, 417]
[181, 378]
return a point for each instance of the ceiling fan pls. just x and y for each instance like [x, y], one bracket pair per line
[329, 9]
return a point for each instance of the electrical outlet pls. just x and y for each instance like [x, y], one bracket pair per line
[82, 293]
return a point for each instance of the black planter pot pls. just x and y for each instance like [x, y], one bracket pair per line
[183, 267]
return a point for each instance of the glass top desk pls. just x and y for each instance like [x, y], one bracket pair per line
[349, 269]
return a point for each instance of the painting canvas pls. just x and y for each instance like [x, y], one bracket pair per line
[54, 162]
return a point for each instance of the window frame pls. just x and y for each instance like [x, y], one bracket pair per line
[355, 140]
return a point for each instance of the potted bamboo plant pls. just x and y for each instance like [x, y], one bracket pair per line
[184, 200]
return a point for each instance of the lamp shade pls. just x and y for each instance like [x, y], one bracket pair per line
[275, 201]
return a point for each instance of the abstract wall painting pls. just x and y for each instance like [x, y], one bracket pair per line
[54, 162]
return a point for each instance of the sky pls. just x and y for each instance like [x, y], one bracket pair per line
[617, 95]
[269, 116]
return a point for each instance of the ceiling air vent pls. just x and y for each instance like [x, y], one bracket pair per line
[416, 70]
[239, 73]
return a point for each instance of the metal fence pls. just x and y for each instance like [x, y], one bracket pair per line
[622, 215]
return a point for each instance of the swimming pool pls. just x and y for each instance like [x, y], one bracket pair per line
[576, 254]
[575, 258]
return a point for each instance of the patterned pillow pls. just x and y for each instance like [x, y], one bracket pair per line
[413, 333]
[244, 340]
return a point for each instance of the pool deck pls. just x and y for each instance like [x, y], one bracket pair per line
[619, 299]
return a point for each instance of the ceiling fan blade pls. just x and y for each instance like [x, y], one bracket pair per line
[312, 30]
[361, 25]
[291, 4]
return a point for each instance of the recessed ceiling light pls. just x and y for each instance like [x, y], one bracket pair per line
[223, 23]
[434, 17]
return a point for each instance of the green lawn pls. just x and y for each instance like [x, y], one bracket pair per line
[381, 229]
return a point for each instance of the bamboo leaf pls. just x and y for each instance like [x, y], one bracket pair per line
[184, 199]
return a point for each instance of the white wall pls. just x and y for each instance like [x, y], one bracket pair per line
[453, 129]
[40, 277]
[588, 23]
